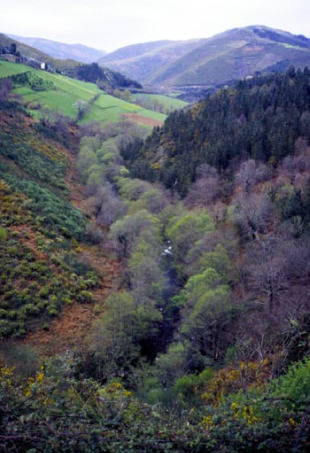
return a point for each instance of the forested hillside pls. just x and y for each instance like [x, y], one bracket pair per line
[259, 119]
[155, 292]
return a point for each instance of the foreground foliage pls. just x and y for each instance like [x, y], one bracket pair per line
[54, 411]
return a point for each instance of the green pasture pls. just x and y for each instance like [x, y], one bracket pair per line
[102, 107]
[8, 69]
[166, 101]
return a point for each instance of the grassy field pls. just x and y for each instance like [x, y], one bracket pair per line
[8, 69]
[167, 102]
[65, 92]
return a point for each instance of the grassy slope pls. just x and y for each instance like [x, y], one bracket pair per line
[8, 69]
[67, 91]
[168, 102]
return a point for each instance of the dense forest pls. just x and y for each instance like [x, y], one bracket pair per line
[189, 251]
[258, 119]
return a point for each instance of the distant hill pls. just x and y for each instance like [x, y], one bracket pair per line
[63, 51]
[15, 51]
[211, 62]
[30, 53]
[143, 61]
[25, 50]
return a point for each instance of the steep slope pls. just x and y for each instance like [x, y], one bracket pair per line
[48, 267]
[213, 61]
[62, 51]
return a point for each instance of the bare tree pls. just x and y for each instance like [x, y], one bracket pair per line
[206, 189]
[82, 108]
[254, 214]
[250, 174]
[106, 206]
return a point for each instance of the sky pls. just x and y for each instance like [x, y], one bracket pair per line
[111, 24]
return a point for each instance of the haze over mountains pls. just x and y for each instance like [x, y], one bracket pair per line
[197, 64]
[233, 54]
[61, 50]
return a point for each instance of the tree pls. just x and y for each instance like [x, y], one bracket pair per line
[184, 232]
[113, 339]
[82, 107]
[253, 214]
[206, 313]
[13, 48]
[206, 189]
[132, 189]
[155, 200]
[266, 271]
[87, 159]
[250, 174]
[173, 364]
[145, 274]
[126, 232]
[107, 206]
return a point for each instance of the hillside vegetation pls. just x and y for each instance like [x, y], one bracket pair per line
[190, 249]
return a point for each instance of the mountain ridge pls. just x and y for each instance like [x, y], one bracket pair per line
[214, 61]
[62, 51]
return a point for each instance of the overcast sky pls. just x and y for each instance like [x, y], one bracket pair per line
[110, 24]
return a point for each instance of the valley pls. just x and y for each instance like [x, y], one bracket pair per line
[155, 254]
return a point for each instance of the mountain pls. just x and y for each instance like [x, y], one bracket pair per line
[63, 51]
[144, 60]
[208, 63]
